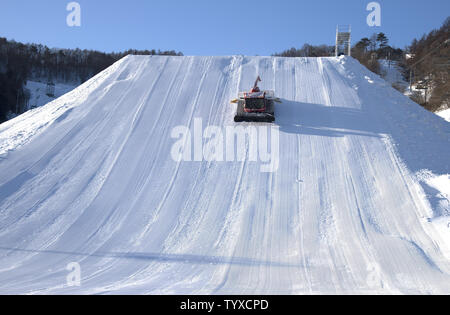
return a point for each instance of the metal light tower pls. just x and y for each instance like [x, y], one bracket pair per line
[343, 40]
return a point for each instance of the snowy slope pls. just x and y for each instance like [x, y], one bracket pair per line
[445, 114]
[89, 178]
[391, 73]
[38, 90]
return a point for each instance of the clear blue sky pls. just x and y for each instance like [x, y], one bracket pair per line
[212, 27]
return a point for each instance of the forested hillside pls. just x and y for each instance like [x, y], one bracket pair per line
[21, 62]
[429, 62]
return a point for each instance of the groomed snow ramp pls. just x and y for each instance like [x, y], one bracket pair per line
[89, 179]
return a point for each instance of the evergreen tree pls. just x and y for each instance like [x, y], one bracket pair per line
[382, 40]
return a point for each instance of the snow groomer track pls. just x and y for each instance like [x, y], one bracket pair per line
[89, 179]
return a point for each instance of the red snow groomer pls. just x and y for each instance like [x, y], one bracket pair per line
[256, 105]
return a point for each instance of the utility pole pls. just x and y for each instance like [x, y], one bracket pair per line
[350, 41]
[17, 102]
[446, 42]
[410, 79]
[337, 39]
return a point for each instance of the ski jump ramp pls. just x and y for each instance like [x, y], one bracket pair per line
[90, 188]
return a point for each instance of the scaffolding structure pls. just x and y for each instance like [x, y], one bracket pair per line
[343, 40]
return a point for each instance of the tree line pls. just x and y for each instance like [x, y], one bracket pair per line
[21, 62]
[427, 59]
[369, 50]
[308, 51]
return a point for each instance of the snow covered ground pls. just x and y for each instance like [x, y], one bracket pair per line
[38, 92]
[391, 73]
[359, 203]
[445, 114]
